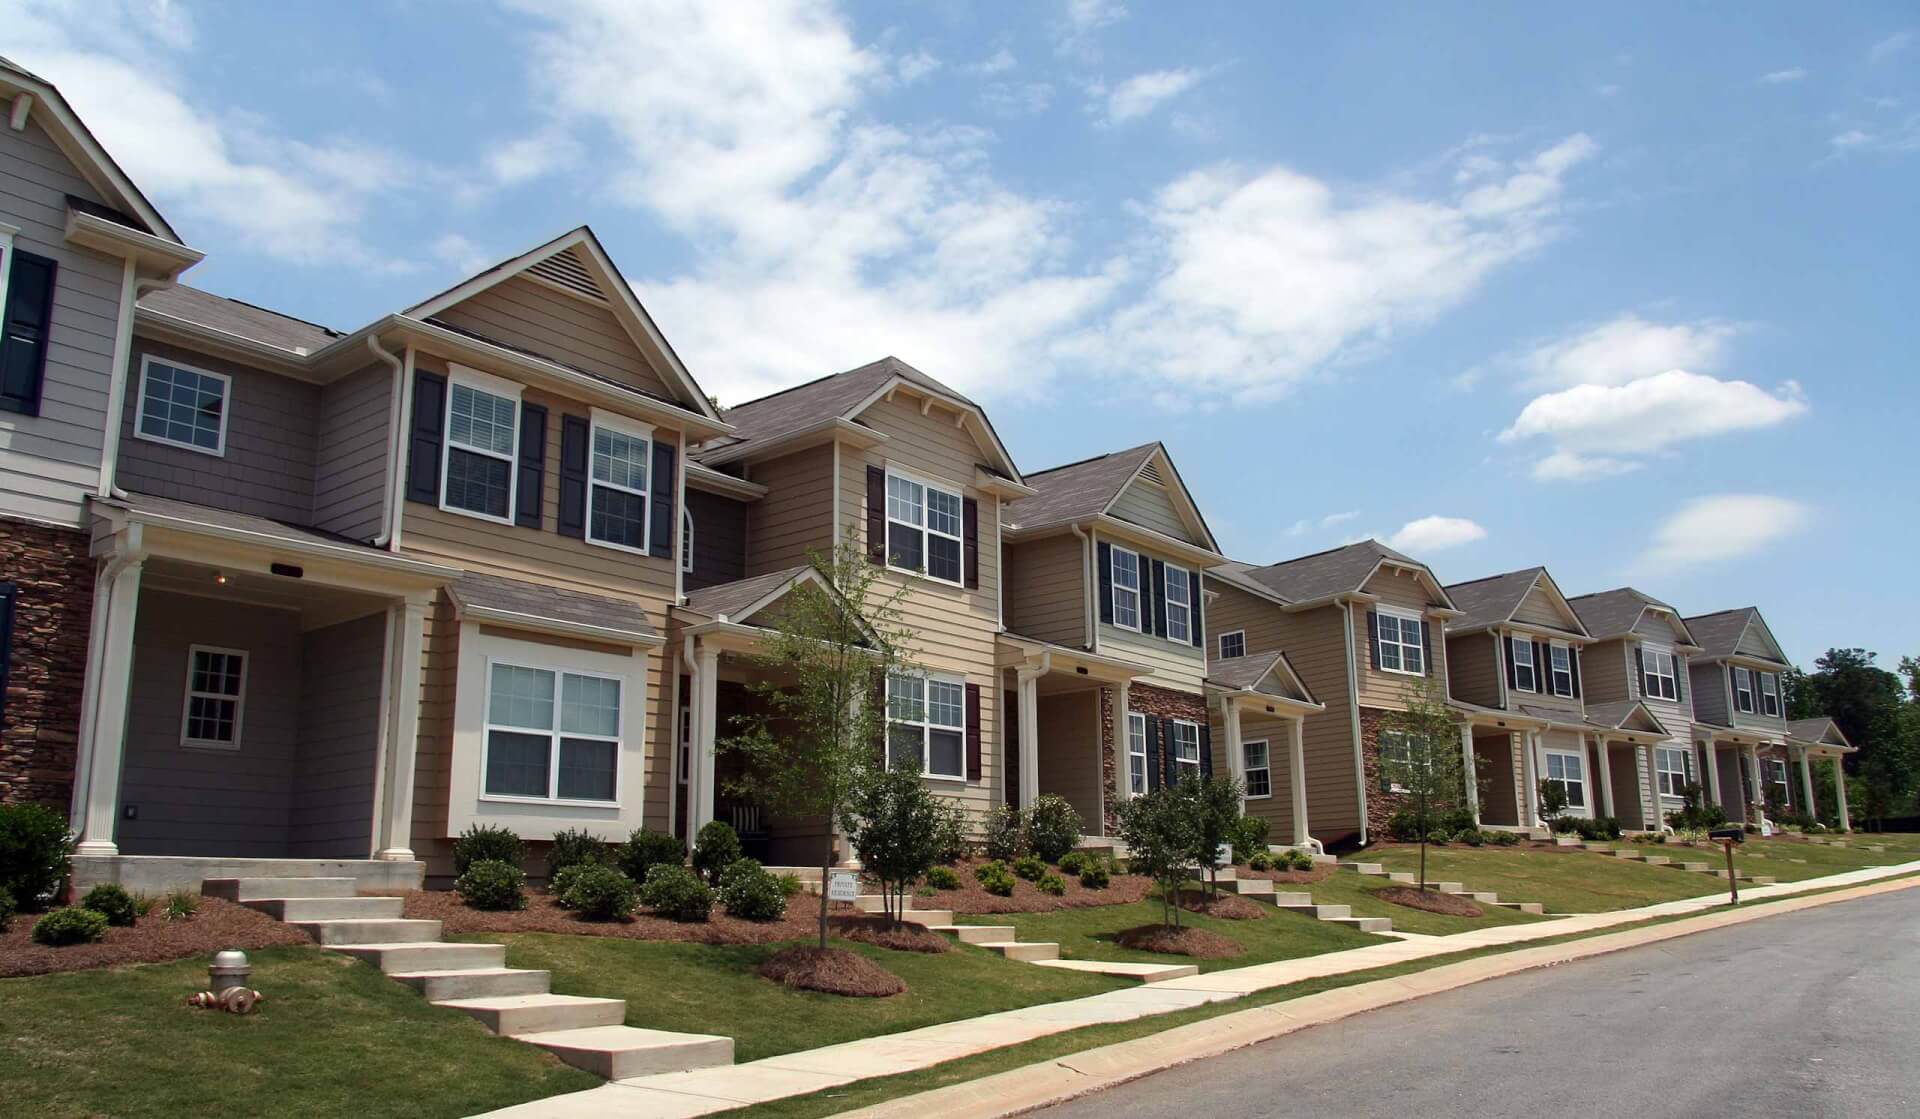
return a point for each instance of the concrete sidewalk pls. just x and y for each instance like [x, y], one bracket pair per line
[705, 1091]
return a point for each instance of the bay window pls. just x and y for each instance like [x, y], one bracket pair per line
[926, 723]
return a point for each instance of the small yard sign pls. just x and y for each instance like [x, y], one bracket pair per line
[843, 886]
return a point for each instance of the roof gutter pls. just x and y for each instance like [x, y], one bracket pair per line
[131, 289]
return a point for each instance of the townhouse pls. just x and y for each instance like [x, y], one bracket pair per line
[1639, 655]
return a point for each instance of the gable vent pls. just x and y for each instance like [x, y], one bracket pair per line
[1151, 473]
[566, 269]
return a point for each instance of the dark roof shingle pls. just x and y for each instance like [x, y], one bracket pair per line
[244, 320]
[1335, 571]
[1492, 600]
[1718, 635]
[731, 598]
[1078, 491]
[538, 600]
[803, 406]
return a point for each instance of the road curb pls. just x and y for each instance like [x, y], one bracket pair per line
[1077, 1074]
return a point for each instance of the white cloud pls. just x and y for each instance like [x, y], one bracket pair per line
[1567, 466]
[1721, 528]
[1890, 46]
[999, 62]
[1259, 278]
[1628, 348]
[466, 257]
[1599, 429]
[912, 67]
[1305, 525]
[1073, 37]
[1433, 534]
[525, 158]
[1016, 99]
[1897, 138]
[1142, 93]
[1780, 77]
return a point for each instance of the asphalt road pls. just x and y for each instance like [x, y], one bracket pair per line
[1810, 1014]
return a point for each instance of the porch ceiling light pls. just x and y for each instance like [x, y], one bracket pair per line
[220, 578]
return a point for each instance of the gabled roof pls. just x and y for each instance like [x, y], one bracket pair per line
[740, 601]
[1270, 674]
[1085, 490]
[1342, 570]
[1492, 601]
[1626, 715]
[242, 320]
[549, 608]
[1822, 730]
[1719, 634]
[1615, 613]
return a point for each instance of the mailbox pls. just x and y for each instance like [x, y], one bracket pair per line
[1729, 835]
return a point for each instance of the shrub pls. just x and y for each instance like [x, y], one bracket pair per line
[674, 891]
[1051, 883]
[481, 842]
[1750, 829]
[6, 911]
[493, 884]
[1564, 825]
[1073, 862]
[72, 924]
[574, 847]
[561, 883]
[943, 878]
[1299, 860]
[1095, 876]
[1469, 836]
[646, 849]
[790, 885]
[1503, 838]
[182, 905]
[892, 822]
[950, 833]
[1006, 834]
[1030, 867]
[36, 852]
[599, 892]
[1249, 837]
[1403, 826]
[1438, 839]
[113, 903]
[1658, 837]
[1053, 827]
[716, 848]
[1260, 860]
[994, 878]
[748, 892]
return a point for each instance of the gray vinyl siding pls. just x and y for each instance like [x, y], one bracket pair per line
[1709, 688]
[1540, 608]
[341, 674]
[1606, 672]
[50, 462]
[719, 540]
[268, 466]
[1474, 668]
[350, 455]
[1149, 505]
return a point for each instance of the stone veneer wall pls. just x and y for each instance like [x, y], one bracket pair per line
[53, 605]
[1380, 804]
[1109, 779]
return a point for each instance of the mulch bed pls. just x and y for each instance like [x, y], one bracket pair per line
[835, 971]
[1027, 898]
[1230, 907]
[152, 939]
[542, 914]
[882, 933]
[1320, 873]
[1432, 901]
[1198, 943]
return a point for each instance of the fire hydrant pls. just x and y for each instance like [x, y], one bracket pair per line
[227, 975]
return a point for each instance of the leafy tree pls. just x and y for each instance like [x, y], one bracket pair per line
[1431, 772]
[1215, 805]
[893, 823]
[1876, 710]
[1162, 835]
[821, 722]
[1695, 817]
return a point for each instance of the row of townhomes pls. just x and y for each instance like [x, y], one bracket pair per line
[272, 591]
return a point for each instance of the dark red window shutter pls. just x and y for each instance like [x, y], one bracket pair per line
[973, 732]
[970, 540]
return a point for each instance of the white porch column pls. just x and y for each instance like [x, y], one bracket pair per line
[700, 754]
[1529, 768]
[1027, 694]
[1759, 795]
[1469, 772]
[1840, 790]
[1713, 776]
[1606, 775]
[97, 797]
[1297, 777]
[1806, 783]
[406, 638]
[1649, 788]
[1236, 749]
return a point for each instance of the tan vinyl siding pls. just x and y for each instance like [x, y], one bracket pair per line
[796, 515]
[1606, 672]
[350, 463]
[719, 539]
[1150, 506]
[342, 670]
[1473, 668]
[1538, 608]
[1046, 589]
[525, 313]
[1180, 665]
[433, 760]
[50, 462]
[1070, 762]
[1277, 808]
[1378, 687]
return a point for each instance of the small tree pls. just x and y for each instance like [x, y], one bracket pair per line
[1553, 802]
[1695, 817]
[1430, 773]
[821, 722]
[894, 825]
[1161, 834]
[1215, 804]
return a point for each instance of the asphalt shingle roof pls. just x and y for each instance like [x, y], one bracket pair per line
[1610, 715]
[800, 407]
[1718, 635]
[1492, 600]
[1078, 491]
[539, 600]
[1613, 613]
[228, 519]
[255, 324]
[731, 598]
[1335, 571]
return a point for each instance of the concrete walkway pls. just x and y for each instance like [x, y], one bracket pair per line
[705, 1091]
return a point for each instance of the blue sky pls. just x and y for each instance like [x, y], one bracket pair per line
[1627, 293]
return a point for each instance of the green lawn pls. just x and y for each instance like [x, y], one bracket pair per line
[704, 988]
[1565, 881]
[1087, 934]
[334, 1038]
[1348, 888]
[1791, 860]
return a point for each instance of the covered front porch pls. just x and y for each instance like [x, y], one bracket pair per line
[1731, 761]
[1819, 739]
[1065, 718]
[1260, 706]
[1604, 765]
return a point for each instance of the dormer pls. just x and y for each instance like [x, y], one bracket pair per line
[1524, 629]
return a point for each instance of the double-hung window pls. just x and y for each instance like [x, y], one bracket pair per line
[1675, 770]
[1566, 771]
[1660, 680]
[1136, 753]
[216, 691]
[619, 503]
[483, 443]
[183, 406]
[926, 723]
[552, 735]
[1233, 644]
[1403, 646]
[1560, 658]
[1186, 748]
[923, 528]
[1743, 690]
[1126, 589]
[1179, 605]
[686, 539]
[1770, 693]
[1396, 755]
[1259, 769]
[1524, 671]
[1777, 777]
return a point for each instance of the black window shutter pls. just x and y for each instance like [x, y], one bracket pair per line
[970, 540]
[425, 434]
[1373, 638]
[1197, 626]
[665, 479]
[9, 593]
[1103, 559]
[1156, 773]
[1573, 665]
[1010, 744]
[533, 464]
[1426, 645]
[1640, 666]
[1513, 672]
[973, 732]
[24, 323]
[1158, 598]
[574, 432]
[1169, 753]
[1679, 674]
[1206, 752]
[876, 515]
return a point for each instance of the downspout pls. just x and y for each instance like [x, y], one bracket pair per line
[132, 288]
[1353, 717]
[395, 407]
[1087, 604]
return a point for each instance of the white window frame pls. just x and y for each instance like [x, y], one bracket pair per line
[239, 700]
[1400, 646]
[1533, 670]
[686, 537]
[1137, 784]
[1404, 742]
[1554, 671]
[1185, 636]
[1739, 675]
[925, 527]
[1173, 744]
[1777, 765]
[1579, 761]
[926, 724]
[1114, 552]
[1247, 768]
[1241, 634]
[1770, 704]
[6, 260]
[147, 362]
[1663, 771]
[493, 386]
[683, 727]
[1651, 678]
[554, 734]
[632, 429]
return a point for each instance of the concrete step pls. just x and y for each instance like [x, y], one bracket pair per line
[1656, 860]
[1448, 887]
[1628, 854]
[418, 956]
[1759, 879]
[1027, 951]
[1697, 868]
[1599, 848]
[1363, 924]
[1145, 973]
[978, 934]
[256, 889]
[927, 917]
[1533, 907]
[619, 1052]
[1283, 900]
[1250, 887]
[1403, 877]
[1566, 841]
[1321, 912]
[378, 930]
[514, 1015]
[475, 983]
[1363, 868]
[327, 909]
[1484, 898]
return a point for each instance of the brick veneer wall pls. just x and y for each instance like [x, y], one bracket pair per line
[1380, 804]
[1166, 703]
[53, 577]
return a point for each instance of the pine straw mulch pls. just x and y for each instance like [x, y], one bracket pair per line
[544, 915]
[150, 940]
[1027, 898]
[836, 971]
[1230, 907]
[1320, 873]
[1432, 901]
[882, 933]
[1197, 943]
